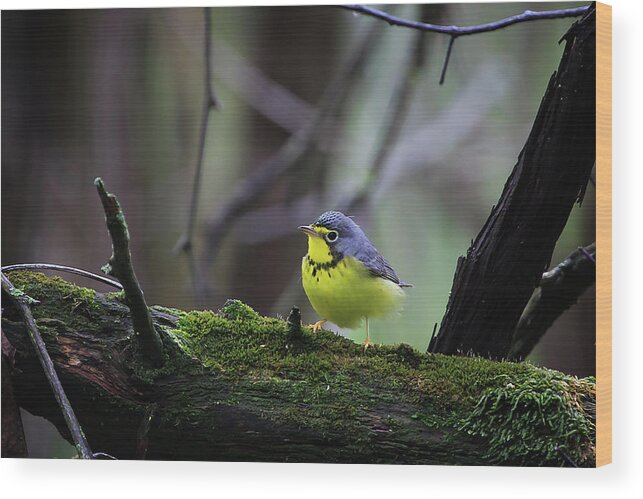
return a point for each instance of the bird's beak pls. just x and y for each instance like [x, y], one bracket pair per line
[308, 230]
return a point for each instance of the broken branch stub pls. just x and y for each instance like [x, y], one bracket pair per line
[120, 266]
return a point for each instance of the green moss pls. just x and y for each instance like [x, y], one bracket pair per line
[525, 411]
[116, 295]
[237, 310]
[167, 310]
[240, 344]
[78, 303]
[540, 418]
[120, 218]
[38, 283]
[429, 420]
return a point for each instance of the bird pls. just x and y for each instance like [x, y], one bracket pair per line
[344, 276]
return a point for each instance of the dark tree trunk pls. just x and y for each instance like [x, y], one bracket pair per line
[500, 271]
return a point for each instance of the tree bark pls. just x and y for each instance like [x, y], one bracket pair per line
[13, 436]
[559, 289]
[237, 386]
[496, 278]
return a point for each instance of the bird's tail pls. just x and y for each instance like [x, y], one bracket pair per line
[405, 285]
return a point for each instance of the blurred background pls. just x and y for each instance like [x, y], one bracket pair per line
[357, 106]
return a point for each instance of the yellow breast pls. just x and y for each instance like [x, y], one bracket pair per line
[344, 291]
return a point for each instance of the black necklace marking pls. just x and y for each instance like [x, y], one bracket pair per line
[318, 267]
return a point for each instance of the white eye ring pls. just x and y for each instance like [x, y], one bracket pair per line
[332, 236]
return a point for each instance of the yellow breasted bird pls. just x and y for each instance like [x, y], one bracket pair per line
[345, 278]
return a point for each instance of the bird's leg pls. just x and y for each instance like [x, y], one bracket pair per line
[318, 325]
[367, 342]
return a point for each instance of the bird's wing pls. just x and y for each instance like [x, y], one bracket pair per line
[376, 264]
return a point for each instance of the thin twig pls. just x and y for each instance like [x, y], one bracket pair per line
[21, 301]
[268, 97]
[456, 31]
[62, 268]
[399, 107]
[446, 59]
[287, 157]
[120, 266]
[185, 242]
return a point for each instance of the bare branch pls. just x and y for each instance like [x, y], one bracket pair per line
[22, 302]
[456, 31]
[446, 59]
[210, 102]
[120, 266]
[559, 289]
[398, 109]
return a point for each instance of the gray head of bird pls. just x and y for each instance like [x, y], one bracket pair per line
[341, 233]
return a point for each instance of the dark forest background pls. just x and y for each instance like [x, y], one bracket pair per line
[118, 94]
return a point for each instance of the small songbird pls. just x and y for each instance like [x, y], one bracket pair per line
[345, 278]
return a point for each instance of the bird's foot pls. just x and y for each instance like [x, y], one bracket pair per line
[318, 325]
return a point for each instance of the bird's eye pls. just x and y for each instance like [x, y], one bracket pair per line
[331, 236]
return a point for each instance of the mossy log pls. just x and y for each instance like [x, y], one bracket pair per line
[236, 386]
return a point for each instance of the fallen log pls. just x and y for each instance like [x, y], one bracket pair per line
[237, 386]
